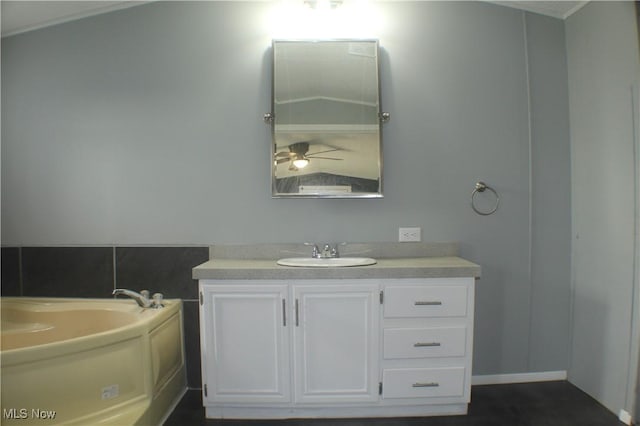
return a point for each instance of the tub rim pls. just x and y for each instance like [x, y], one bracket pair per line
[150, 319]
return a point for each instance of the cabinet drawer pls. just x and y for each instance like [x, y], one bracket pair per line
[425, 301]
[424, 342]
[423, 382]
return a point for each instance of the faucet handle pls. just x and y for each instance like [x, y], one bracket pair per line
[145, 294]
[157, 301]
[315, 251]
[334, 250]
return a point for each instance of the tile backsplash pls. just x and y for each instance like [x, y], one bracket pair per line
[165, 270]
[96, 271]
[67, 271]
[10, 267]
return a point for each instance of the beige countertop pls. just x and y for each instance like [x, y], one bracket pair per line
[407, 267]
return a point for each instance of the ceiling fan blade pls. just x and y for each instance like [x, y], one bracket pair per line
[323, 152]
[326, 158]
[282, 160]
[284, 154]
[327, 143]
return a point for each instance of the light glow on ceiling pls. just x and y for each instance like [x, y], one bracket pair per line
[295, 19]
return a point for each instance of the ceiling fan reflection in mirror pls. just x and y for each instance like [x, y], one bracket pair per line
[298, 158]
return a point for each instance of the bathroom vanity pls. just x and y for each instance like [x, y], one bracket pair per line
[390, 339]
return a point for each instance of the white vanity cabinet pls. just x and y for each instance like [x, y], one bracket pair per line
[260, 339]
[336, 347]
[390, 339]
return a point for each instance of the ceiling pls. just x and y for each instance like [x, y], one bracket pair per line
[19, 16]
[558, 9]
[25, 15]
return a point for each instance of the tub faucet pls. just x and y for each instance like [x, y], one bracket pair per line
[142, 299]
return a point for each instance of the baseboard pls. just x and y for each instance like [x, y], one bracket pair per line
[498, 379]
[625, 417]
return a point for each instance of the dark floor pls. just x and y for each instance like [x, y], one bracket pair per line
[527, 404]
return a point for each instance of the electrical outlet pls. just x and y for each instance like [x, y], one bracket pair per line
[410, 234]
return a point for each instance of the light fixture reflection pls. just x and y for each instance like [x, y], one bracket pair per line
[301, 162]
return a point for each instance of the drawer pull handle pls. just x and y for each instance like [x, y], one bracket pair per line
[428, 303]
[425, 344]
[426, 385]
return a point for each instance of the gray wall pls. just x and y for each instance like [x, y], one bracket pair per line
[603, 64]
[550, 192]
[143, 127]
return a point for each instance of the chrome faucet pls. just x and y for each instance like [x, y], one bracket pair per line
[141, 298]
[327, 252]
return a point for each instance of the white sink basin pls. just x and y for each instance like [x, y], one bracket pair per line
[334, 262]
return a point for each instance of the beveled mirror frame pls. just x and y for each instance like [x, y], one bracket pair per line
[279, 153]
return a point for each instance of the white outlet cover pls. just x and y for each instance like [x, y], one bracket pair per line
[413, 234]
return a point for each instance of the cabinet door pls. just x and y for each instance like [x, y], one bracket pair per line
[245, 343]
[336, 342]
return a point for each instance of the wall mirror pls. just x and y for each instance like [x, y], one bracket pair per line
[326, 119]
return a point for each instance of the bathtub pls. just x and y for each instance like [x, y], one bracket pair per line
[89, 361]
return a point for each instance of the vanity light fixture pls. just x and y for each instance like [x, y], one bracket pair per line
[323, 4]
[324, 19]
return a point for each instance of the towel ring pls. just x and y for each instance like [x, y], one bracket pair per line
[481, 187]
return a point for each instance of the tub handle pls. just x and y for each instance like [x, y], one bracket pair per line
[157, 301]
